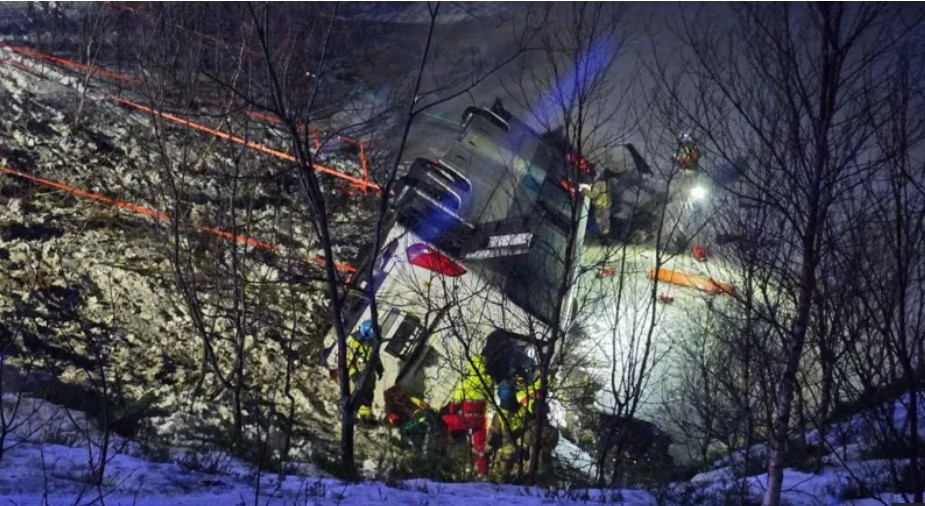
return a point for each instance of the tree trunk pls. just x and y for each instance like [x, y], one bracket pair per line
[787, 386]
[914, 467]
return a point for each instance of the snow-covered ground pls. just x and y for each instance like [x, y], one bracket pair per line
[47, 460]
[852, 465]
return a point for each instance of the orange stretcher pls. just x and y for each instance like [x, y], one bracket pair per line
[697, 281]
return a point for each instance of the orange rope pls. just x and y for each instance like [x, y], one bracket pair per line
[92, 69]
[315, 134]
[363, 184]
[144, 211]
[244, 142]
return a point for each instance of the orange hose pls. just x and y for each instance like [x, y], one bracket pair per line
[144, 211]
[697, 281]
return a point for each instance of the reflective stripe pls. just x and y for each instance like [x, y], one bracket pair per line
[418, 403]
[530, 393]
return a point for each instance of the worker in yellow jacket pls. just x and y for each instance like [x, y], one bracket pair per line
[506, 441]
[600, 202]
[468, 406]
[359, 351]
[527, 395]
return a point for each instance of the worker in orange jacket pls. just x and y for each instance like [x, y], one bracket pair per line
[688, 153]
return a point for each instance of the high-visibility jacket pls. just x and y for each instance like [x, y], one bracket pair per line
[515, 421]
[476, 385]
[600, 197]
[358, 353]
[527, 395]
[688, 156]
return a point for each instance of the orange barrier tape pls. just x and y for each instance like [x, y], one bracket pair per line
[363, 185]
[259, 115]
[92, 69]
[690, 280]
[144, 211]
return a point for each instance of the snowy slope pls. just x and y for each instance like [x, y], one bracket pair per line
[34, 470]
[848, 470]
[74, 263]
[621, 311]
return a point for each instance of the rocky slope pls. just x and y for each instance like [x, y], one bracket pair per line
[156, 311]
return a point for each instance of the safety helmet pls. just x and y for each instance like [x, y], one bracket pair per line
[366, 330]
[685, 136]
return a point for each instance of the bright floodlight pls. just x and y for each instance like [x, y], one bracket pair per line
[698, 193]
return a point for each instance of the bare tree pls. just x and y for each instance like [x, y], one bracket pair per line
[94, 27]
[887, 360]
[286, 82]
[800, 125]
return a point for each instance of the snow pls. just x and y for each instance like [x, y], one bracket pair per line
[36, 471]
[46, 461]
[843, 470]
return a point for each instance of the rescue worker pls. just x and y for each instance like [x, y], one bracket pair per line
[688, 153]
[600, 201]
[359, 350]
[467, 409]
[506, 431]
[505, 442]
[527, 395]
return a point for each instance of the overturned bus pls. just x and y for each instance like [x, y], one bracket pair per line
[477, 246]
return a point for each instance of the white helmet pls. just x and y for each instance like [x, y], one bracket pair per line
[685, 136]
